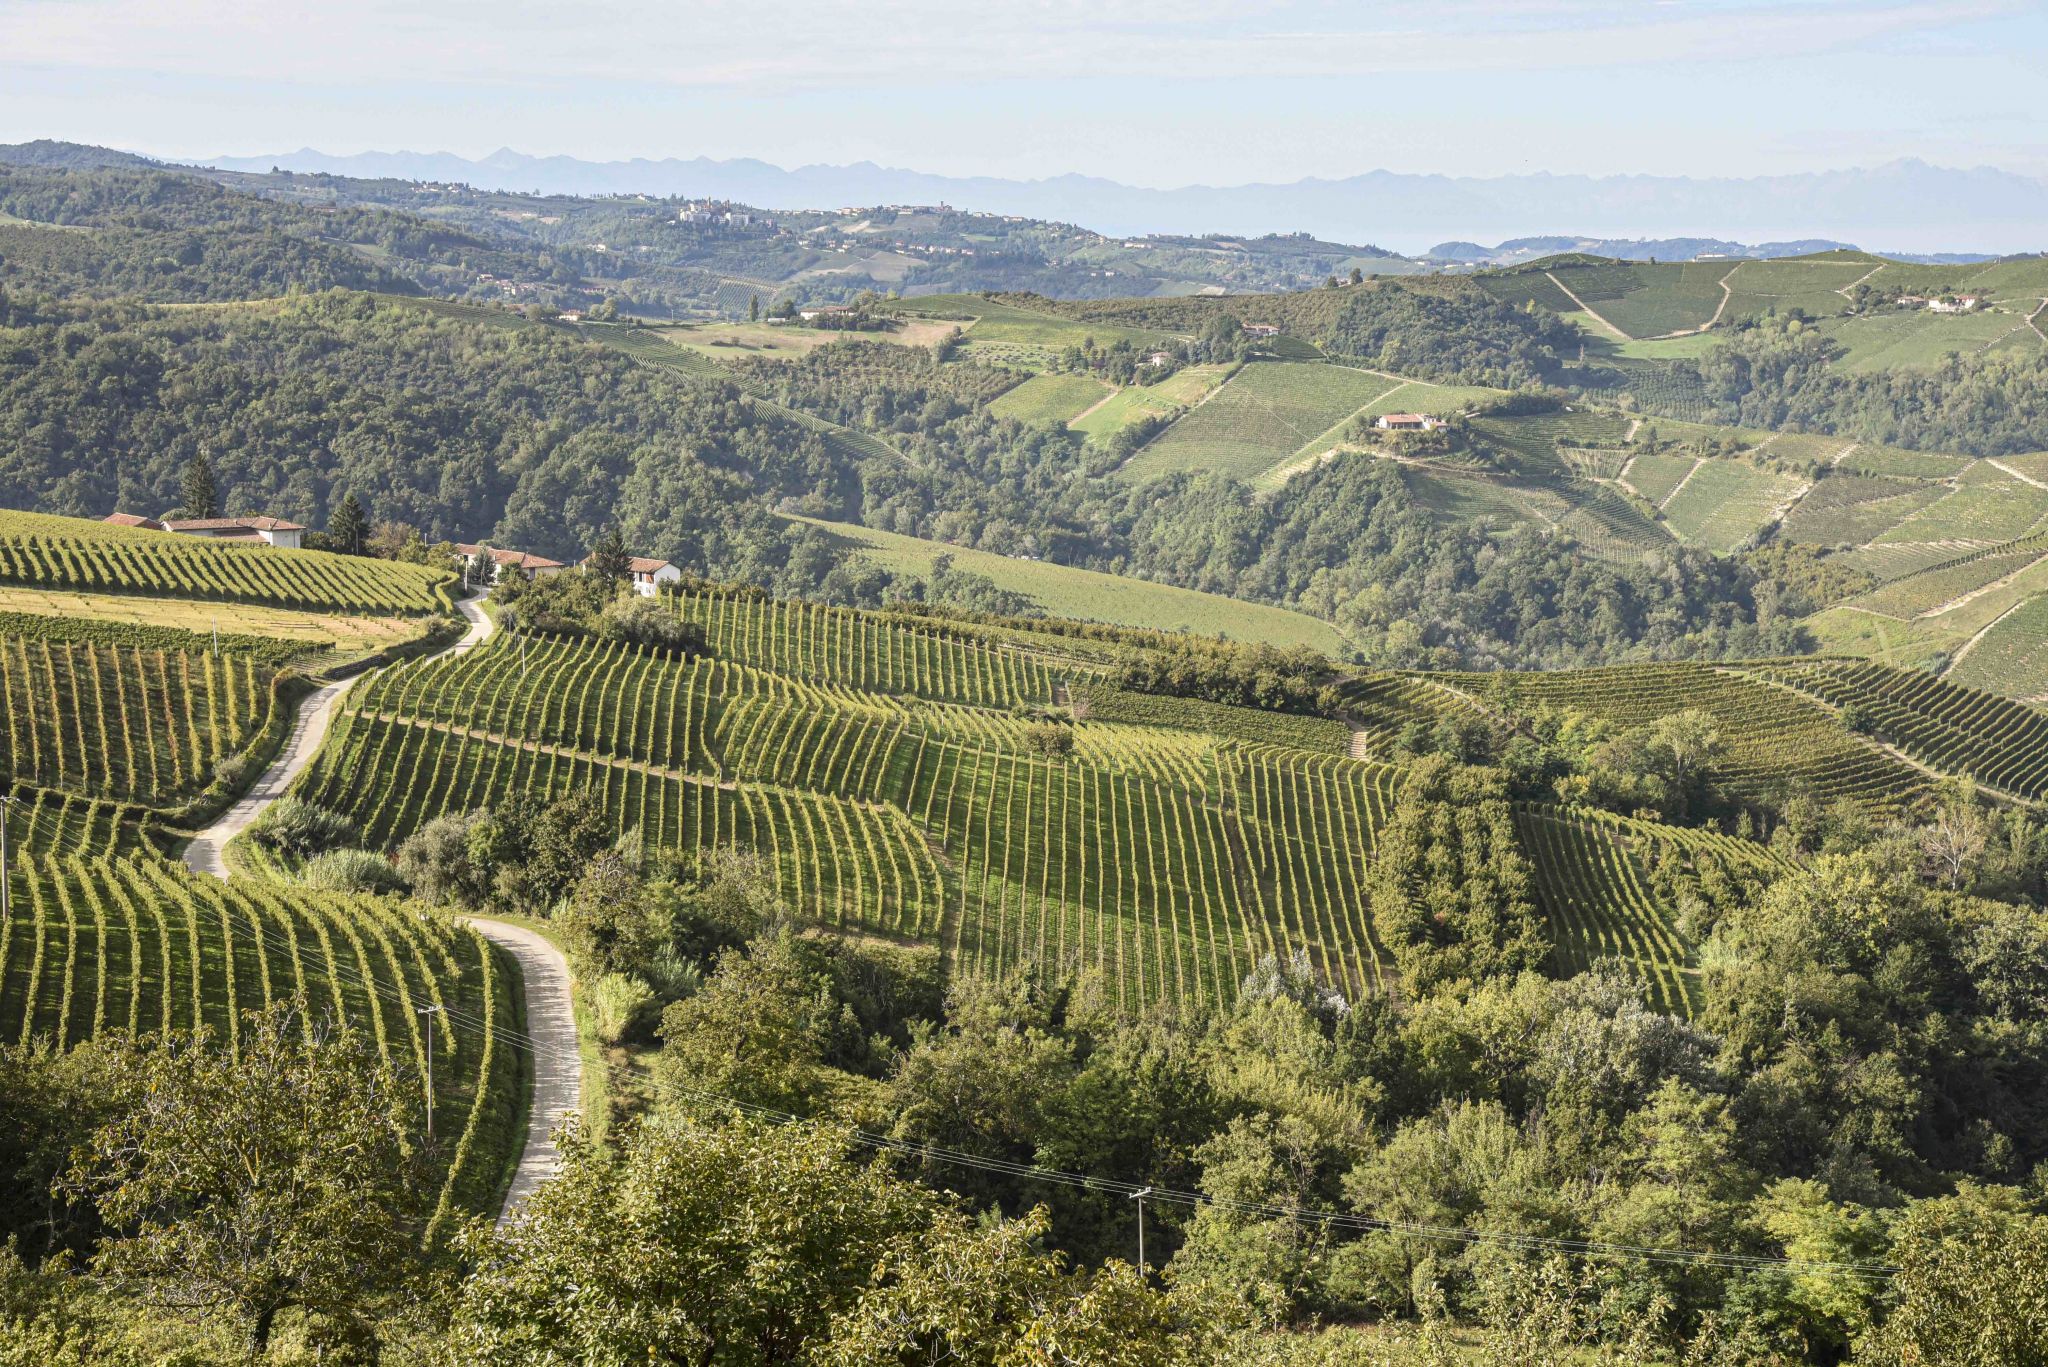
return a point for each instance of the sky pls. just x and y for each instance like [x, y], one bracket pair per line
[1210, 92]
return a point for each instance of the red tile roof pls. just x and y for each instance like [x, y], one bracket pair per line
[133, 520]
[232, 524]
[525, 560]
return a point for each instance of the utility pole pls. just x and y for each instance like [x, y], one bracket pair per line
[1139, 1196]
[430, 1012]
[5, 800]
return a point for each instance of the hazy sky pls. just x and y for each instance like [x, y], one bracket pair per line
[1195, 91]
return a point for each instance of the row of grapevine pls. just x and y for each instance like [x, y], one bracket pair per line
[1950, 726]
[1101, 702]
[843, 861]
[98, 943]
[1594, 895]
[693, 715]
[128, 723]
[1773, 739]
[48, 821]
[173, 566]
[869, 652]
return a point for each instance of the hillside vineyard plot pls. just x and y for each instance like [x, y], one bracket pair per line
[1775, 740]
[1267, 413]
[1955, 728]
[174, 566]
[868, 652]
[96, 942]
[124, 722]
[1170, 860]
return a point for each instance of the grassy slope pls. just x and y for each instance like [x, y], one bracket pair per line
[1064, 591]
[1267, 413]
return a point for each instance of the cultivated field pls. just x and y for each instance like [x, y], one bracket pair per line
[1054, 399]
[72, 553]
[1268, 412]
[1085, 595]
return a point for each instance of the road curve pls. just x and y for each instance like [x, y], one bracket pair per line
[544, 973]
[557, 1058]
[316, 710]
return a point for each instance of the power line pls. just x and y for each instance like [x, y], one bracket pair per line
[930, 1153]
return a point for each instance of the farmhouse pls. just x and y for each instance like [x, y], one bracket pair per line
[1954, 303]
[525, 564]
[569, 316]
[272, 531]
[648, 574]
[133, 520]
[824, 311]
[1261, 330]
[1407, 422]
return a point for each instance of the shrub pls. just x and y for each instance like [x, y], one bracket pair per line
[623, 1008]
[436, 862]
[293, 826]
[352, 871]
[644, 622]
[1050, 739]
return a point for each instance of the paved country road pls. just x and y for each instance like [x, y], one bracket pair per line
[544, 973]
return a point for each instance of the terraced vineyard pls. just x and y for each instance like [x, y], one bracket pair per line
[1596, 900]
[1962, 730]
[68, 553]
[869, 652]
[1952, 582]
[2012, 657]
[1167, 857]
[1775, 740]
[1725, 502]
[124, 722]
[97, 942]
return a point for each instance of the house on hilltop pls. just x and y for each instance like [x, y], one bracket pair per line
[824, 311]
[1407, 422]
[648, 575]
[271, 531]
[148, 524]
[525, 564]
[1954, 303]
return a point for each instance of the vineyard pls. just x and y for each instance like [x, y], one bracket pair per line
[1961, 730]
[64, 553]
[97, 942]
[122, 722]
[1168, 856]
[1775, 740]
[871, 652]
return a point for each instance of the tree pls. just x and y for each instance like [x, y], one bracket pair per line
[609, 559]
[273, 1176]
[693, 1241]
[754, 308]
[349, 528]
[201, 494]
[1972, 1284]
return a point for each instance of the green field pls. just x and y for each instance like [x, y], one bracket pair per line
[2012, 657]
[1726, 502]
[1917, 339]
[1267, 414]
[1849, 510]
[1182, 389]
[1655, 477]
[1055, 399]
[74, 553]
[1866, 459]
[1064, 591]
[1986, 506]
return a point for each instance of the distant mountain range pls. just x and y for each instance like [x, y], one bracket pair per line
[1901, 206]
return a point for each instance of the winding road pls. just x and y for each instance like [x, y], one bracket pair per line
[544, 973]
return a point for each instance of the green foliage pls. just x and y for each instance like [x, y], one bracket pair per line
[351, 871]
[279, 1175]
[1450, 888]
[300, 829]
